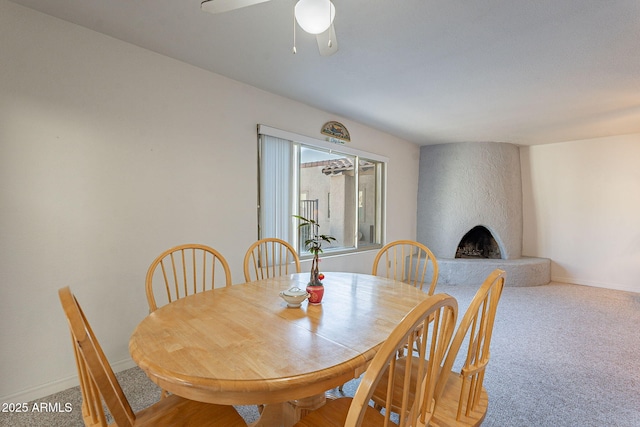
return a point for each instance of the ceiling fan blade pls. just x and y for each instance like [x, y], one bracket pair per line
[219, 6]
[327, 42]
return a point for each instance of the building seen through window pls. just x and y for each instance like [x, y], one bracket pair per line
[339, 188]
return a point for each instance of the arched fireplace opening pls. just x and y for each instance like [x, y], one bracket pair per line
[478, 243]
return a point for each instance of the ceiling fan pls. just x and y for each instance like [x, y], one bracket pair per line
[313, 16]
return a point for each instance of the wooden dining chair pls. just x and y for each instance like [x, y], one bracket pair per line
[99, 385]
[185, 270]
[407, 261]
[270, 257]
[461, 399]
[417, 398]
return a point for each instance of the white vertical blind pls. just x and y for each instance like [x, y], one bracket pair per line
[276, 170]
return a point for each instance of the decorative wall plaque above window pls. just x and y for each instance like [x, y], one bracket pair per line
[336, 132]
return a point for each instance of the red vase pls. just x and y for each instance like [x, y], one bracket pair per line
[315, 294]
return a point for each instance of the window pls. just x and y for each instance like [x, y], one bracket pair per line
[339, 187]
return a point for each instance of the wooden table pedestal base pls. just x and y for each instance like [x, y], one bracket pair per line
[288, 413]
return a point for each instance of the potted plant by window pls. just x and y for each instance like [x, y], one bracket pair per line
[314, 245]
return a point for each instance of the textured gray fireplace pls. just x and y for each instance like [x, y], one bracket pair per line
[475, 189]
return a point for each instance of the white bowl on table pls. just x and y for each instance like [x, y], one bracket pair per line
[294, 296]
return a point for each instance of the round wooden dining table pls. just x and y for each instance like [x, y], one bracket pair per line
[242, 345]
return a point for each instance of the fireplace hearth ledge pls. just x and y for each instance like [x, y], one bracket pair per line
[525, 271]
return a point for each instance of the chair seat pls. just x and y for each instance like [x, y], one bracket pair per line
[446, 410]
[334, 414]
[179, 412]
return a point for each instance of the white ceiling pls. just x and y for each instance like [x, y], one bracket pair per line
[520, 71]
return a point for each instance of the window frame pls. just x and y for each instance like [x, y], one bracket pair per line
[333, 148]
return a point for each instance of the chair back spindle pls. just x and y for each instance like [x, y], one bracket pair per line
[270, 257]
[185, 270]
[407, 261]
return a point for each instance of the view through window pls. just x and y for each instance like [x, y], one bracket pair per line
[338, 187]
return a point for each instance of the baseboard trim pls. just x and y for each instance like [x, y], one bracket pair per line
[44, 390]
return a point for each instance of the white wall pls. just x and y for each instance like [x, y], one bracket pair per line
[582, 210]
[110, 154]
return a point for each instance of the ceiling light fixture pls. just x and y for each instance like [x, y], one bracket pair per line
[315, 16]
